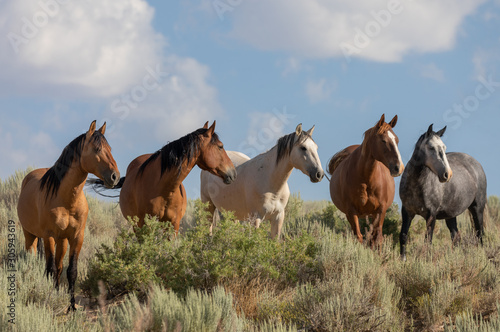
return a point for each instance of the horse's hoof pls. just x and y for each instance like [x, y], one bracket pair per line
[71, 308]
[403, 258]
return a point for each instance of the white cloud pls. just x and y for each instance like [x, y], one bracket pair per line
[84, 48]
[99, 52]
[316, 28]
[319, 90]
[180, 102]
[432, 71]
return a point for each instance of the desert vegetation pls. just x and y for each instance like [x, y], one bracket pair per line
[317, 277]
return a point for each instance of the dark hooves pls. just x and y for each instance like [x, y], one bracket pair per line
[72, 307]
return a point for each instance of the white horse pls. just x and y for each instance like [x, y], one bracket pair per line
[261, 190]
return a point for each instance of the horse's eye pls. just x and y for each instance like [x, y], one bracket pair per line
[221, 147]
[303, 148]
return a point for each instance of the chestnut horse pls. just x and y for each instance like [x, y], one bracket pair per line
[153, 184]
[52, 205]
[362, 184]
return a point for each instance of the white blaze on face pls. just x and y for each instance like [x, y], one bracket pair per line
[439, 146]
[393, 140]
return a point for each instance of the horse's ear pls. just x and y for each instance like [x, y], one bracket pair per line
[298, 130]
[210, 130]
[102, 130]
[441, 132]
[206, 125]
[310, 131]
[393, 121]
[91, 129]
[429, 130]
[381, 121]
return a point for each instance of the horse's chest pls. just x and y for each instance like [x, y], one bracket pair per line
[67, 220]
[273, 204]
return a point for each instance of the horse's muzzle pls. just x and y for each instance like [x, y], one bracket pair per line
[446, 176]
[316, 176]
[397, 170]
[230, 176]
[112, 179]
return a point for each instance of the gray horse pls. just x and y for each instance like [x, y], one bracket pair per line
[439, 185]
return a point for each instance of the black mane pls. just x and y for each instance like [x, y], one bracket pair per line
[51, 180]
[173, 154]
[285, 144]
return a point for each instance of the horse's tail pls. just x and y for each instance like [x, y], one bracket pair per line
[98, 186]
[335, 161]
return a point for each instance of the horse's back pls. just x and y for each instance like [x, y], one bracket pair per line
[468, 172]
[339, 157]
[237, 158]
[231, 196]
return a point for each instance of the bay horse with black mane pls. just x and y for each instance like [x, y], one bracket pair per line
[439, 185]
[52, 205]
[362, 183]
[153, 183]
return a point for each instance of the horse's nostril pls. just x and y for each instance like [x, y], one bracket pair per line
[446, 175]
[319, 175]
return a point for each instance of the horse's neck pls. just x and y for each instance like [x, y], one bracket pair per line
[277, 173]
[172, 179]
[72, 184]
[366, 163]
[415, 166]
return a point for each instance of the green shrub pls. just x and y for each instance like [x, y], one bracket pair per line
[200, 260]
[133, 262]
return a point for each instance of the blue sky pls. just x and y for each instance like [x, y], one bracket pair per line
[157, 70]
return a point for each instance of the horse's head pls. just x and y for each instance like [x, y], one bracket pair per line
[383, 144]
[304, 154]
[431, 152]
[213, 158]
[96, 157]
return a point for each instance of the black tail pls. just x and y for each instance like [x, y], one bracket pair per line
[99, 187]
[40, 248]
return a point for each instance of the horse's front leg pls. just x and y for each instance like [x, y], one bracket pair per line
[452, 226]
[277, 224]
[212, 216]
[72, 273]
[378, 223]
[354, 221]
[430, 223]
[61, 247]
[50, 267]
[403, 235]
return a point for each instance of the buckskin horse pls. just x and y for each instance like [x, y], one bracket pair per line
[362, 183]
[153, 183]
[52, 205]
